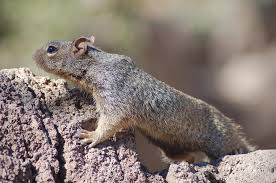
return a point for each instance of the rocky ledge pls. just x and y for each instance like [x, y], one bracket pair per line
[40, 118]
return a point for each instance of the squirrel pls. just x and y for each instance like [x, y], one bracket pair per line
[126, 96]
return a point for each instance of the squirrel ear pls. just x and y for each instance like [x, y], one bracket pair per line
[79, 46]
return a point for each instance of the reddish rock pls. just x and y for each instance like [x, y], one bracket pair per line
[40, 118]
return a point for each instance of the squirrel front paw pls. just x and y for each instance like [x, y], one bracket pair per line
[87, 137]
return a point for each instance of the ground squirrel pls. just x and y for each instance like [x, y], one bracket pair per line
[126, 96]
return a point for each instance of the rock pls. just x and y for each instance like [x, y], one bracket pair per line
[258, 166]
[40, 118]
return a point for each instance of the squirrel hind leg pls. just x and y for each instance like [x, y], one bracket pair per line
[243, 150]
[239, 150]
[190, 157]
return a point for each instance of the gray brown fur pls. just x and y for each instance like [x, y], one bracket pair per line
[126, 96]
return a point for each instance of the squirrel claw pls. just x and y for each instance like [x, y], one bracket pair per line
[89, 141]
[85, 141]
[86, 137]
[84, 134]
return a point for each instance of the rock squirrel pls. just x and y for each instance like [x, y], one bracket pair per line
[126, 96]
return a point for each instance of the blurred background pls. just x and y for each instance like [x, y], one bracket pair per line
[223, 52]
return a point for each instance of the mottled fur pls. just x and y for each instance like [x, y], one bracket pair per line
[126, 96]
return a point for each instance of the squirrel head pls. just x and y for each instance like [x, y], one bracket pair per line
[65, 58]
[72, 59]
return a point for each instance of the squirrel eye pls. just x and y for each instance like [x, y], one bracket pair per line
[51, 50]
